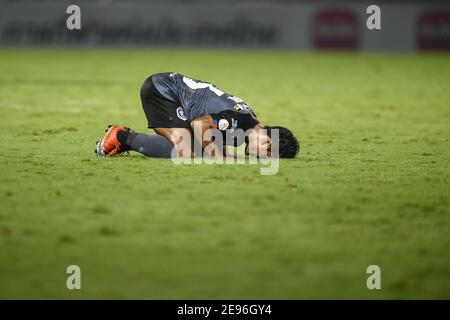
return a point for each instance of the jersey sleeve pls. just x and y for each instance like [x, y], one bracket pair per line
[232, 120]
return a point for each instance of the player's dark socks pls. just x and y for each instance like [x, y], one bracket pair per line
[122, 136]
[150, 145]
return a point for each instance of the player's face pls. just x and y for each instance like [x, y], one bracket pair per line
[259, 144]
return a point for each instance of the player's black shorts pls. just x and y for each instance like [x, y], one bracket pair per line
[161, 112]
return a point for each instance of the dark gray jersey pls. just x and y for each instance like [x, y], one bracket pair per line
[198, 98]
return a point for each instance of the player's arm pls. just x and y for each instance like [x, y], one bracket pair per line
[199, 127]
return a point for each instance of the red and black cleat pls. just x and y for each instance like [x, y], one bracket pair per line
[110, 145]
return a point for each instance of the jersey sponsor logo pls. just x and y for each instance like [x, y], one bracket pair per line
[238, 107]
[180, 114]
[234, 125]
[223, 124]
[242, 106]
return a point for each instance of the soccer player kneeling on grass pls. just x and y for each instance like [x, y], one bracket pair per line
[178, 107]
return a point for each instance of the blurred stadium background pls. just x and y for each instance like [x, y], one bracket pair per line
[333, 24]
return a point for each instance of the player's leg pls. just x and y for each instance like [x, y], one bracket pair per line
[119, 139]
[160, 145]
[167, 118]
[163, 115]
[180, 138]
[155, 146]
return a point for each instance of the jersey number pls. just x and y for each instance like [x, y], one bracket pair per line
[191, 83]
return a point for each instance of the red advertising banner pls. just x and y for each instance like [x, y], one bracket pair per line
[336, 29]
[433, 32]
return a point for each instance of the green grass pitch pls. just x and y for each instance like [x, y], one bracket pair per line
[371, 186]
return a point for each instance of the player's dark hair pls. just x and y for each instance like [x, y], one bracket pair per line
[289, 146]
